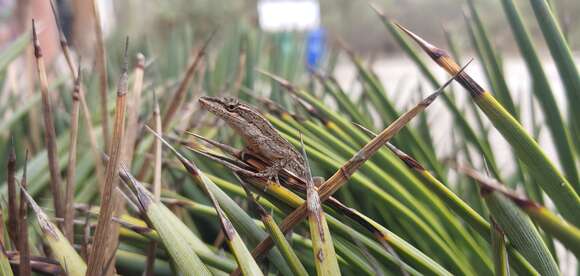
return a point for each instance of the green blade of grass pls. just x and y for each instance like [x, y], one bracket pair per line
[526, 149]
[549, 222]
[498, 249]
[517, 226]
[246, 262]
[176, 237]
[384, 106]
[489, 56]
[339, 178]
[240, 218]
[560, 51]
[457, 205]
[464, 126]
[407, 250]
[383, 235]
[63, 251]
[279, 239]
[323, 249]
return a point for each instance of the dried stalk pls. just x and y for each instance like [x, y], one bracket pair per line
[133, 107]
[101, 55]
[24, 267]
[103, 239]
[156, 189]
[85, 108]
[158, 161]
[50, 135]
[178, 98]
[86, 238]
[179, 95]
[39, 264]
[68, 227]
[12, 203]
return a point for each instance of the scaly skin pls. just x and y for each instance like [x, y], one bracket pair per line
[260, 137]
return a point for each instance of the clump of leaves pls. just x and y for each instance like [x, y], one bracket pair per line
[391, 203]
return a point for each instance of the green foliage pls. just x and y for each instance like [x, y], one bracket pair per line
[405, 210]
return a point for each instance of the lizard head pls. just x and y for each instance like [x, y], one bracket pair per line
[219, 104]
[229, 109]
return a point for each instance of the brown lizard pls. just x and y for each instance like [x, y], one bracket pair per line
[263, 140]
[260, 137]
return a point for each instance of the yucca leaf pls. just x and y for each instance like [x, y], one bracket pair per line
[243, 221]
[176, 237]
[464, 126]
[62, 250]
[246, 262]
[470, 216]
[560, 51]
[521, 232]
[526, 149]
[134, 228]
[323, 249]
[568, 234]
[498, 248]
[518, 227]
[279, 239]
[489, 56]
[386, 108]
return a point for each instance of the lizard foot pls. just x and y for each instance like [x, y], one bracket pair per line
[271, 173]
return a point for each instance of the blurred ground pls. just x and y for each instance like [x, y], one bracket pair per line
[351, 20]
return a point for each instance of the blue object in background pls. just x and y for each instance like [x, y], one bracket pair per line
[315, 44]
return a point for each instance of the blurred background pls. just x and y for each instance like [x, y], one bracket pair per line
[352, 21]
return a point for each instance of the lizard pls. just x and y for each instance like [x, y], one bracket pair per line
[259, 136]
[263, 140]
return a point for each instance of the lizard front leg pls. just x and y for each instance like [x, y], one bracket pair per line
[318, 180]
[272, 172]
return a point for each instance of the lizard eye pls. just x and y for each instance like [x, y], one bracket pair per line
[230, 107]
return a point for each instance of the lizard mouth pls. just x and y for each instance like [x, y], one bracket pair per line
[208, 103]
[204, 101]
